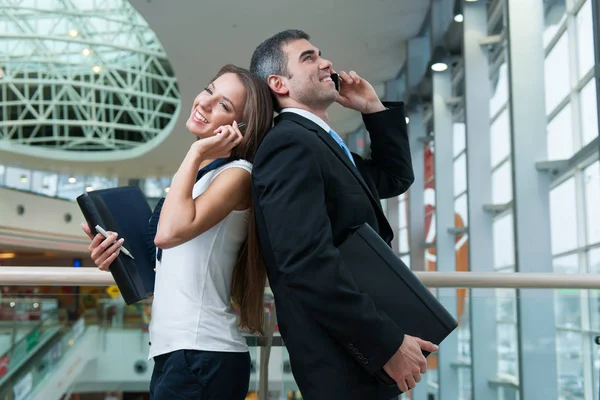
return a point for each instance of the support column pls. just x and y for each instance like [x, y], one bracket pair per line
[536, 327]
[444, 223]
[484, 347]
[418, 55]
[416, 195]
[392, 216]
[416, 212]
[596, 23]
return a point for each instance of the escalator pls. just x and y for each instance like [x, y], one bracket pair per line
[39, 359]
[38, 340]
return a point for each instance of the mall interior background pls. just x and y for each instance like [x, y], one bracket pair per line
[502, 112]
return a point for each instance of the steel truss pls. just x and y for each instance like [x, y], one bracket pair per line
[86, 75]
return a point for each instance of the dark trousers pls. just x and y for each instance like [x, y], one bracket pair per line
[200, 375]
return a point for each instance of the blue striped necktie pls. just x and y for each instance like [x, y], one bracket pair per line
[341, 143]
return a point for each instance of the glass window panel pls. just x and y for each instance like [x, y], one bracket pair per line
[460, 207]
[556, 67]
[429, 196]
[502, 184]
[596, 364]
[589, 112]
[402, 222]
[560, 135]
[69, 187]
[569, 352]
[406, 260]
[403, 240]
[2, 169]
[18, 178]
[500, 140]
[460, 174]
[500, 91]
[44, 183]
[568, 308]
[585, 38]
[155, 187]
[594, 268]
[101, 182]
[554, 18]
[506, 306]
[566, 264]
[504, 248]
[465, 384]
[563, 217]
[592, 202]
[459, 138]
[384, 203]
[507, 349]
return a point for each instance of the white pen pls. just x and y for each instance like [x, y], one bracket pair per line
[101, 231]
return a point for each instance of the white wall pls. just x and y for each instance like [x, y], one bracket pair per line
[42, 225]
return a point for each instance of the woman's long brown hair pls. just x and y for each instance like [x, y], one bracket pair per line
[249, 273]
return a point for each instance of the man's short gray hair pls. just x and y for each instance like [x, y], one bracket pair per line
[269, 58]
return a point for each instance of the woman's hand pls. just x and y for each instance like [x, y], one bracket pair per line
[220, 145]
[103, 251]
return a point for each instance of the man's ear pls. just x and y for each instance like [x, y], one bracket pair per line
[277, 84]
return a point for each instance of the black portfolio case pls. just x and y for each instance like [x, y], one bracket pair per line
[395, 290]
[126, 211]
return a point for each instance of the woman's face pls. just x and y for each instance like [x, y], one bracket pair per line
[220, 103]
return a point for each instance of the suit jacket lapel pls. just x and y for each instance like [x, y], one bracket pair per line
[337, 150]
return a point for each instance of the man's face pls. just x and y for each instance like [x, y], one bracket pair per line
[309, 75]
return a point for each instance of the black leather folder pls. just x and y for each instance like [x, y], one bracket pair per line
[395, 289]
[126, 211]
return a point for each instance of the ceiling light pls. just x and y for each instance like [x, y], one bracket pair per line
[36, 305]
[12, 304]
[96, 69]
[439, 67]
[89, 189]
[470, 1]
[407, 119]
[86, 52]
[167, 189]
[23, 179]
[73, 32]
[7, 255]
[72, 179]
[459, 18]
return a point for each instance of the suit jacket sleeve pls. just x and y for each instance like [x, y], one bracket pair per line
[390, 165]
[288, 190]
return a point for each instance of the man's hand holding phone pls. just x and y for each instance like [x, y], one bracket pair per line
[357, 94]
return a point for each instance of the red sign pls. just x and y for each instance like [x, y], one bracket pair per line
[4, 365]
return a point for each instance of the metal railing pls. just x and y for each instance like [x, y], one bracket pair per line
[69, 276]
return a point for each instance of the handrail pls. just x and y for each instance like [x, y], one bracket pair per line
[69, 276]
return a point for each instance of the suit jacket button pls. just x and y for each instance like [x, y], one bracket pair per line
[355, 351]
[350, 346]
[365, 361]
[149, 343]
[360, 357]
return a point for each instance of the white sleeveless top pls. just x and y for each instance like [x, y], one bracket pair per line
[192, 309]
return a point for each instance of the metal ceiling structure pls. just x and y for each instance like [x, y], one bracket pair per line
[82, 76]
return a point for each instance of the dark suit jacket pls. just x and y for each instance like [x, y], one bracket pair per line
[307, 196]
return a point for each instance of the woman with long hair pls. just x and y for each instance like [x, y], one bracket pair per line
[207, 253]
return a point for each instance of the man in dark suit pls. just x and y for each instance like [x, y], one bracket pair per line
[309, 191]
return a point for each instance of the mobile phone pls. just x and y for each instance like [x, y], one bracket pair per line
[336, 80]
